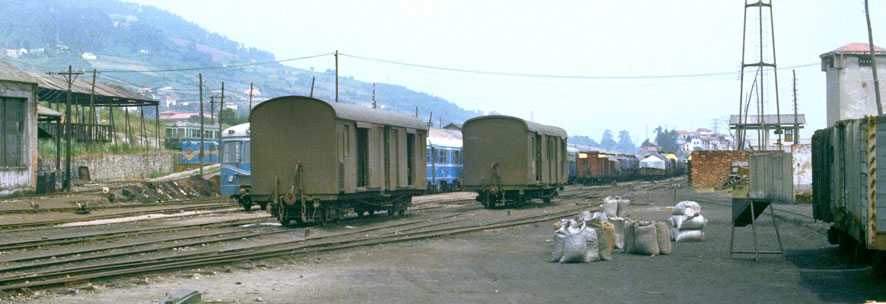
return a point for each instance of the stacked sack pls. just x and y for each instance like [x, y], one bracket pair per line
[646, 238]
[616, 210]
[588, 238]
[686, 222]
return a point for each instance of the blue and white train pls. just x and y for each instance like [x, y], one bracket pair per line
[235, 165]
[445, 160]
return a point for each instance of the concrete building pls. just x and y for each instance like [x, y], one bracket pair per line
[850, 82]
[18, 130]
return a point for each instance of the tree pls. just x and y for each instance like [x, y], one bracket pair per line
[607, 142]
[582, 140]
[625, 144]
[666, 140]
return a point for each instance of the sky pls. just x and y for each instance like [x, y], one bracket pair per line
[604, 39]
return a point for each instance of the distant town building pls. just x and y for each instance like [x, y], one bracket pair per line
[850, 82]
[702, 139]
[88, 56]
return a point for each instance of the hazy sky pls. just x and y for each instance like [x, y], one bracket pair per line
[584, 38]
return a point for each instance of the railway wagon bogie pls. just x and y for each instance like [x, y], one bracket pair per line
[847, 187]
[508, 160]
[314, 160]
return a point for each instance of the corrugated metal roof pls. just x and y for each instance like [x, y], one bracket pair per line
[856, 48]
[769, 119]
[10, 73]
[44, 111]
[531, 126]
[105, 93]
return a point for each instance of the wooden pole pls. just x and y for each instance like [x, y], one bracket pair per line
[67, 182]
[113, 127]
[92, 120]
[202, 134]
[867, 17]
[128, 132]
[250, 97]
[221, 108]
[312, 86]
[157, 124]
[144, 139]
[336, 75]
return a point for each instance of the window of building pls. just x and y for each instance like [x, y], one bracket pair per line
[12, 131]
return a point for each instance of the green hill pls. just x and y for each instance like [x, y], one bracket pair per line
[127, 36]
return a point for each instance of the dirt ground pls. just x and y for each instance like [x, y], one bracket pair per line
[510, 266]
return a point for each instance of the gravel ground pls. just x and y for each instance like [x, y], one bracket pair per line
[509, 265]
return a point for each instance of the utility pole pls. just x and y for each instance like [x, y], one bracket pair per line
[867, 16]
[336, 76]
[92, 123]
[312, 86]
[212, 109]
[796, 122]
[202, 133]
[221, 108]
[70, 77]
[250, 97]
[373, 95]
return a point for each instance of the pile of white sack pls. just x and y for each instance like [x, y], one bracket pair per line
[687, 222]
[615, 206]
[587, 238]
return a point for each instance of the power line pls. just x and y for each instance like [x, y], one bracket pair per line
[529, 75]
[216, 67]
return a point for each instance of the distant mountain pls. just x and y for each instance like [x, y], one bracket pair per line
[111, 35]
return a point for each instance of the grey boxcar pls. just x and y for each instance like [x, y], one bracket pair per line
[317, 160]
[847, 186]
[510, 160]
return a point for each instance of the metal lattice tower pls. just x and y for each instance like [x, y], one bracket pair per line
[761, 67]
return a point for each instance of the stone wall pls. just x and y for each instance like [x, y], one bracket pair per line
[117, 167]
[712, 168]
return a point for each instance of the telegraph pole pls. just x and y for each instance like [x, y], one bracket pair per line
[92, 123]
[873, 60]
[221, 108]
[202, 133]
[250, 97]
[312, 86]
[373, 95]
[212, 109]
[336, 76]
[796, 122]
[70, 77]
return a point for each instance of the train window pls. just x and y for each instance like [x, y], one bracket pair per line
[428, 156]
[442, 156]
[246, 156]
[456, 157]
[170, 132]
[231, 152]
[181, 132]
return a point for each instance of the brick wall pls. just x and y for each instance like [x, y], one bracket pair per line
[712, 168]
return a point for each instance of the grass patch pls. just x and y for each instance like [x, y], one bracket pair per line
[46, 148]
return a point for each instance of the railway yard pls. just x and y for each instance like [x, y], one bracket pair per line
[445, 248]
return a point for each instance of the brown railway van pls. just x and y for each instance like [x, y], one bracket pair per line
[314, 160]
[508, 160]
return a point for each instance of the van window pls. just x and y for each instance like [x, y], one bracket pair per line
[231, 152]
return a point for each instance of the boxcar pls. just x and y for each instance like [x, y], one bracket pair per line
[509, 160]
[314, 160]
[235, 165]
[444, 155]
[571, 164]
[594, 168]
[847, 186]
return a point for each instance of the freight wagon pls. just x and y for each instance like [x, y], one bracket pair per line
[847, 188]
[314, 160]
[510, 161]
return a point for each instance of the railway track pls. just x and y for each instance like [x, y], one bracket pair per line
[61, 271]
[96, 207]
[227, 203]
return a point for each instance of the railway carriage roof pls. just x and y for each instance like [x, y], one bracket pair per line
[362, 114]
[240, 130]
[531, 126]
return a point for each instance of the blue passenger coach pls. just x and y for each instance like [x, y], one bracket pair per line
[445, 159]
[235, 165]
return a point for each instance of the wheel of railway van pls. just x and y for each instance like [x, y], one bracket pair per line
[324, 216]
[246, 206]
[546, 199]
[264, 206]
[391, 211]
